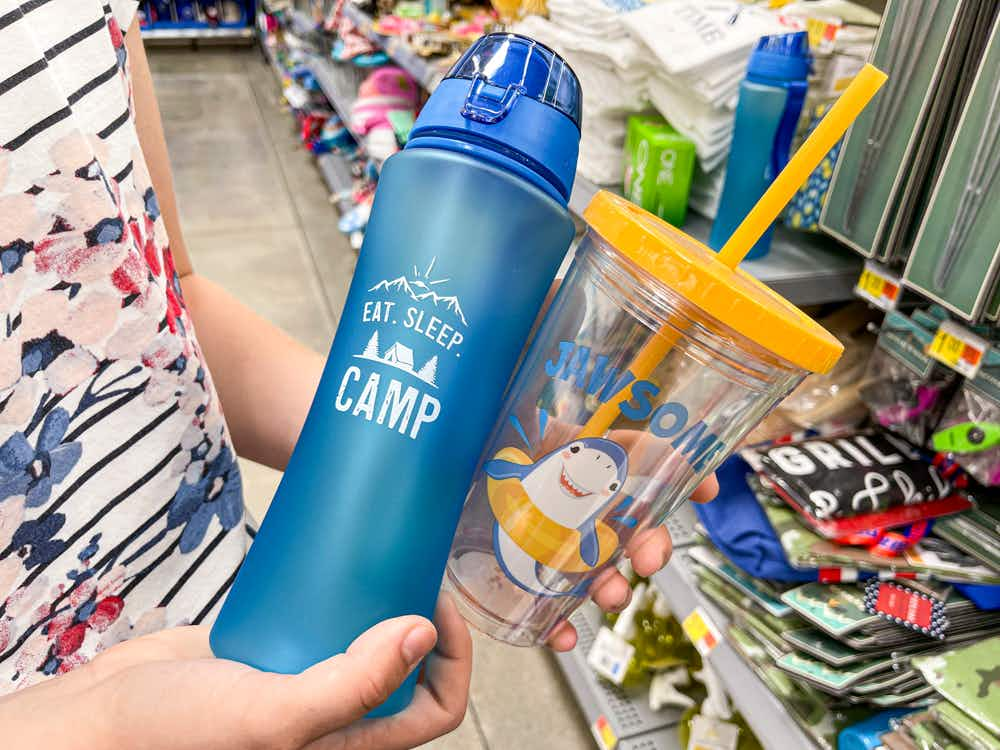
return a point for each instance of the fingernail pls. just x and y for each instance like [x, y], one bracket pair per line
[625, 601]
[417, 643]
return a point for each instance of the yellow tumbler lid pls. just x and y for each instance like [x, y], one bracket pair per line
[694, 271]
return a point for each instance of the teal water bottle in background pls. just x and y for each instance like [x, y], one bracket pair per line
[767, 114]
[468, 229]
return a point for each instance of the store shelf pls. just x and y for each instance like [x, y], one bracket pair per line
[221, 34]
[427, 74]
[805, 268]
[301, 24]
[768, 718]
[339, 86]
[337, 174]
[634, 724]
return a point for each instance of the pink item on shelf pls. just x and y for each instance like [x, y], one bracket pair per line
[474, 28]
[386, 90]
[397, 26]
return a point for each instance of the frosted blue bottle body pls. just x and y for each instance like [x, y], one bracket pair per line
[361, 525]
[749, 171]
[767, 114]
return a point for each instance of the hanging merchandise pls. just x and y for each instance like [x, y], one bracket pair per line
[960, 62]
[877, 155]
[970, 427]
[955, 256]
[905, 389]
[767, 115]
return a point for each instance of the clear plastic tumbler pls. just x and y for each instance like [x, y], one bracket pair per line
[653, 362]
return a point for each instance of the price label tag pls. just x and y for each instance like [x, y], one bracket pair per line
[878, 286]
[958, 348]
[701, 631]
[610, 655]
[603, 733]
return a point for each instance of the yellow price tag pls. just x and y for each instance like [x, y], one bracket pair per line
[603, 733]
[878, 287]
[961, 350]
[701, 631]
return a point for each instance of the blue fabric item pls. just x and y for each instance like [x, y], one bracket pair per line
[739, 527]
[867, 734]
[984, 597]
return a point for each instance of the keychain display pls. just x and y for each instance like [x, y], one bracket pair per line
[903, 401]
[970, 427]
[905, 389]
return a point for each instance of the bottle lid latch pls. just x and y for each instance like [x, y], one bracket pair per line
[487, 103]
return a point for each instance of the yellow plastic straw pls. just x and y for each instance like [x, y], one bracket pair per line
[830, 129]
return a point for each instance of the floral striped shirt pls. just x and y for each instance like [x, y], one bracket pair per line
[121, 508]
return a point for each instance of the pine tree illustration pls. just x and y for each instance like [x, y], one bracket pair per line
[371, 348]
[428, 373]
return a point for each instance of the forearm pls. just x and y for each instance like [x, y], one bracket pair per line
[265, 379]
[60, 712]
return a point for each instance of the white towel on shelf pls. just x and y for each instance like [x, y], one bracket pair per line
[709, 128]
[687, 35]
[621, 50]
[602, 146]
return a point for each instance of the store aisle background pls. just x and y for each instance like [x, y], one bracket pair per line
[258, 221]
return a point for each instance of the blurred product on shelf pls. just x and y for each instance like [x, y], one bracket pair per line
[659, 165]
[767, 115]
[159, 17]
[970, 426]
[384, 111]
[905, 388]
[645, 648]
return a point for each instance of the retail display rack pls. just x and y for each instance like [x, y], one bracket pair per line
[613, 715]
[806, 268]
[334, 168]
[169, 21]
[767, 717]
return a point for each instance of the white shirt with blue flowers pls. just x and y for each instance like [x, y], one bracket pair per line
[121, 508]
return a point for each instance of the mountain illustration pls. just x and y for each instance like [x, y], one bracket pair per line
[419, 290]
[400, 356]
[396, 285]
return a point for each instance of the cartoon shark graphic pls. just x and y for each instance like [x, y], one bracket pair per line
[570, 486]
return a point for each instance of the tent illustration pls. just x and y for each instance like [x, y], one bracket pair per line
[400, 356]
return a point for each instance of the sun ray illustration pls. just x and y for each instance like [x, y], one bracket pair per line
[415, 271]
[439, 281]
[430, 268]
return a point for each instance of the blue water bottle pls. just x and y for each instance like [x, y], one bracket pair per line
[468, 229]
[771, 99]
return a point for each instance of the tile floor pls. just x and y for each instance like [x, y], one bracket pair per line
[257, 220]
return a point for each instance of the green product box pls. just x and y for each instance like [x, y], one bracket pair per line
[956, 256]
[879, 152]
[659, 165]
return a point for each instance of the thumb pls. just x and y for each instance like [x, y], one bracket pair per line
[342, 689]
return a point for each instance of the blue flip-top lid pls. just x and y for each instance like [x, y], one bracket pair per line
[513, 102]
[781, 57]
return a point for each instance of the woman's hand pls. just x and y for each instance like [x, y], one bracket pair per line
[166, 690]
[648, 552]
